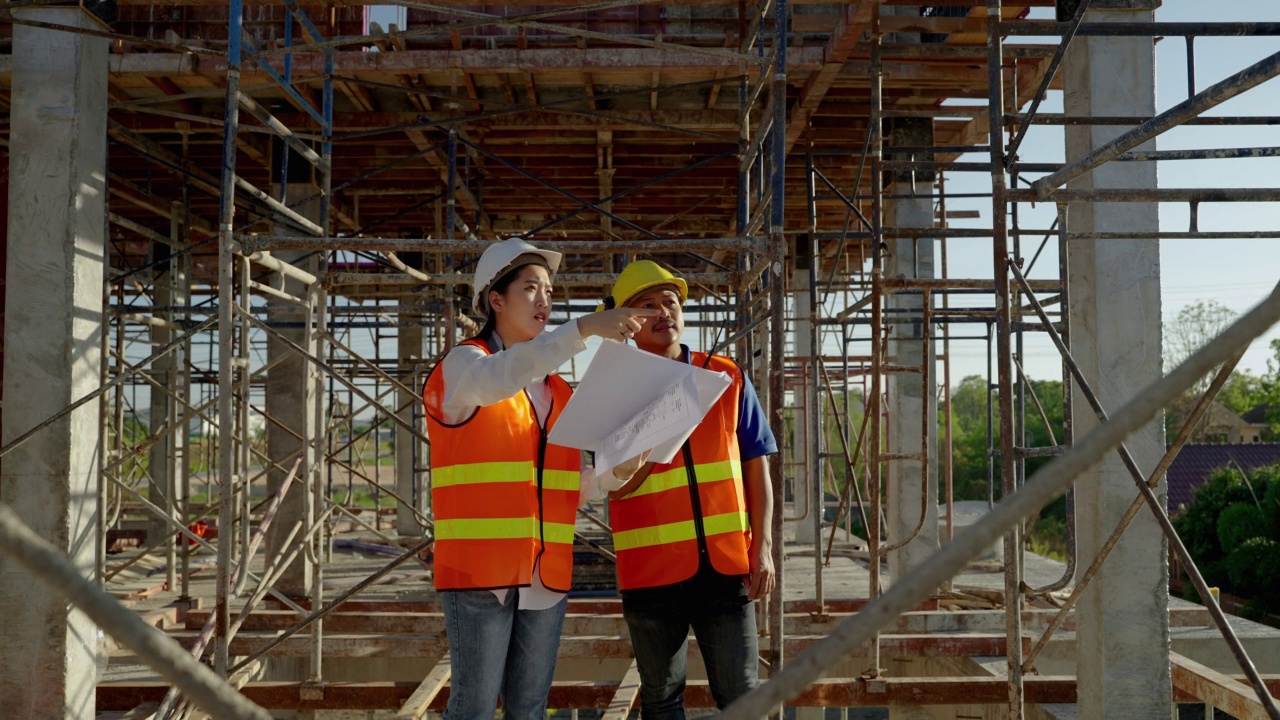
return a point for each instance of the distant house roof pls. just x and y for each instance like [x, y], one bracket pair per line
[1256, 416]
[1195, 463]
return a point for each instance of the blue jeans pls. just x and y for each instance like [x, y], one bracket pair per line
[723, 621]
[499, 651]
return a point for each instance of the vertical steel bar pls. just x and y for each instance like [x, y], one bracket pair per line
[816, 413]
[104, 438]
[873, 407]
[851, 476]
[928, 420]
[243, 435]
[1068, 427]
[185, 362]
[117, 408]
[1000, 258]
[326, 144]
[226, 329]
[744, 144]
[173, 297]
[315, 444]
[451, 192]
[777, 295]
[1191, 65]
[743, 210]
[1064, 320]
[948, 467]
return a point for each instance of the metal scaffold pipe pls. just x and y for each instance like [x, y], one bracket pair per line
[253, 243]
[162, 654]
[1211, 97]
[1047, 484]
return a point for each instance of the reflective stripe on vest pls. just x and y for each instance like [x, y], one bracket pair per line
[675, 532]
[496, 512]
[499, 472]
[502, 529]
[655, 531]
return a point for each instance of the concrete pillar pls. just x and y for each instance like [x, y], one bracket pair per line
[807, 497]
[409, 450]
[1123, 623]
[290, 403]
[169, 288]
[912, 401]
[53, 334]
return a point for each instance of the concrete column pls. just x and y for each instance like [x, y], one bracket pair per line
[1123, 623]
[912, 402]
[806, 497]
[409, 450]
[53, 334]
[290, 403]
[169, 289]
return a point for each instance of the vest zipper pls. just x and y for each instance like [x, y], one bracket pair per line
[692, 476]
[542, 459]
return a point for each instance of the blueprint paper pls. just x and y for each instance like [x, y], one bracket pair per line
[630, 401]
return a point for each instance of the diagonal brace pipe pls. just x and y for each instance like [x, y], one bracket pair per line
[1157, 508]
[1050, 482]
[1211, 97]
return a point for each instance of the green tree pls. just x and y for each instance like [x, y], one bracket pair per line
[1232, 530]
[968, 439]
[1043, 413]
[1243, 391]
[1193, 328]
[970, 436]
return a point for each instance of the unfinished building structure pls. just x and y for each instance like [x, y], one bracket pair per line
[259, 219]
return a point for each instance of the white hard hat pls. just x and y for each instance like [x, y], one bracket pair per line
[497, 258]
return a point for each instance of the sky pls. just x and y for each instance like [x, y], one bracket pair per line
[1236, 273]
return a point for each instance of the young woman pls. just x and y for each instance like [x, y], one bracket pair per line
[504, 498]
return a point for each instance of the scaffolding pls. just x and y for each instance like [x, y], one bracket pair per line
[769, 152]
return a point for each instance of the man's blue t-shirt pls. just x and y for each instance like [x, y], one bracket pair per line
[755, 439]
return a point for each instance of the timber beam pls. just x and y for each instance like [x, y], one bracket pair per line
[838, 692]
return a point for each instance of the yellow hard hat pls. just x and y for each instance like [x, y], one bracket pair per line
[638, 277]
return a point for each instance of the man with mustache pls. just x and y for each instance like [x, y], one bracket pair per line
[694, 536]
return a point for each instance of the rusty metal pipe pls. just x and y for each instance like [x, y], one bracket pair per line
[51, 567]
[1166, 525]
[1050, 482]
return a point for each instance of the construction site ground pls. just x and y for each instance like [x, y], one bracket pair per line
[959, 631]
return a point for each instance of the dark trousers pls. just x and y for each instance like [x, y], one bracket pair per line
[724, 622]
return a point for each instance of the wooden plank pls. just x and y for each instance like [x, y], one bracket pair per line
[418, 703]
[828, 692]
[362, 64]
[414, 645]
[1217, 689]
[624, 697]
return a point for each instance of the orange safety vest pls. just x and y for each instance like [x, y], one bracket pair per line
[696, 498]
[503, 497]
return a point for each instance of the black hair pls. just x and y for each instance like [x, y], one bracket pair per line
[499, 286]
